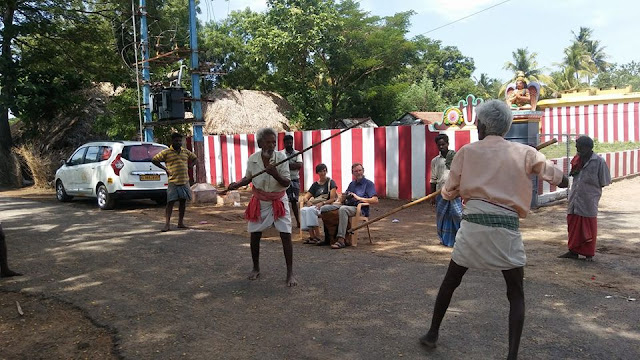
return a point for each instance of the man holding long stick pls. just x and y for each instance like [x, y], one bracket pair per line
[269, 204]
[492, 176]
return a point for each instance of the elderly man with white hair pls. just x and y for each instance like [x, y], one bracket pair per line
[493, 178]
[269, 204]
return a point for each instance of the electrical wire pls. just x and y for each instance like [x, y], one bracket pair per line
[464, 17]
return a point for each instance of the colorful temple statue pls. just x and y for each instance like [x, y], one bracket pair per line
[522, 96]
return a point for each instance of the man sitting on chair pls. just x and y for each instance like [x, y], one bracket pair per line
[360, 190]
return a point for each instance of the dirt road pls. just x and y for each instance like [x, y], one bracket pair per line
[183, 294]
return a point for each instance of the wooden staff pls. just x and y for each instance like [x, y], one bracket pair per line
[428, 197]
[303, 150]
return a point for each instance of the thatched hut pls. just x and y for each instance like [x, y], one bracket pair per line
[244, 111]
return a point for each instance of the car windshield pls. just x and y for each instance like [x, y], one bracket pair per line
[140, 153]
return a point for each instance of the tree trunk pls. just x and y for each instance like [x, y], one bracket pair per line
[7, 90]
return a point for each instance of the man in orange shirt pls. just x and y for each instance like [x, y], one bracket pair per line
[492, 177]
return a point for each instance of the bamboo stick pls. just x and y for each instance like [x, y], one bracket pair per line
[303, 150]
[428, 197]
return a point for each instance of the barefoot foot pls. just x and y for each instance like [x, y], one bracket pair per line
[182, 226]
[254, 275]
[429, 340]
[166, 228]
[291, 281]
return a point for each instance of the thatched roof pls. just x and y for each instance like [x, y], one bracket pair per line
[244, 111]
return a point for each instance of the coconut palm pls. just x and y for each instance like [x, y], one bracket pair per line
[578, 61]
[525, 62]
[592, 47]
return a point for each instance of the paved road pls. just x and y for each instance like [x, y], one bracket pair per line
[183, 294]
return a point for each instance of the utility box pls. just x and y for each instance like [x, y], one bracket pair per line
[169, 103]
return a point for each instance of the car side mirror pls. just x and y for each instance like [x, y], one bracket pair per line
[63, 162]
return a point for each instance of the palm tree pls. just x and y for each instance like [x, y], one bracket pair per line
[578, 61]
[489, 86]
[525, 62]
[592, 47]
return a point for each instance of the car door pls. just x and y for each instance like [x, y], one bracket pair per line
[70, 177]
[87, 170]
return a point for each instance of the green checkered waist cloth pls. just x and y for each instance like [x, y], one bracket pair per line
[494, 220]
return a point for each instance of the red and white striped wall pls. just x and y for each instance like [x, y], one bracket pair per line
[396, 158]
[604, 122]
[620, 163]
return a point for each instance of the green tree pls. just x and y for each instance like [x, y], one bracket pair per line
[329, 60]
[578, 62]
[440, 63]
[527, 62]
[620, 76]
[488, 88]
[420, 96]
[592, 47]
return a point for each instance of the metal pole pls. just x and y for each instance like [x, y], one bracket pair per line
[196, 105]
[135, 52]
[146, 77]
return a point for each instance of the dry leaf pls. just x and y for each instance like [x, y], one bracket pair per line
[19, 309]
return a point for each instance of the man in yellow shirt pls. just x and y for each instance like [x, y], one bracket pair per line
[178, 161]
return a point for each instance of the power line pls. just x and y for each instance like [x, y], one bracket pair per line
[465, 17]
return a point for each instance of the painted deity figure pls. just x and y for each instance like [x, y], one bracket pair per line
[520, 98]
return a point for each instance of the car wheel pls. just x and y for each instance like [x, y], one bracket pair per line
[105, 200]
[61, 194]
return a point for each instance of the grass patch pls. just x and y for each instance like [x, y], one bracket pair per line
[559, 150]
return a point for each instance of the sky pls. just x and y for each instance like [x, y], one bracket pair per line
[489, 37]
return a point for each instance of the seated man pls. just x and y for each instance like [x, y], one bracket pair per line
[360, 190]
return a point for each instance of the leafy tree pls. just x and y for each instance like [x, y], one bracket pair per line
[620, 76]
[440, 63]
[316, 53]
[420, 96]
[578, 61]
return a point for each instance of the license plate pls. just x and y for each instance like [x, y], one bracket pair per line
[149, 177]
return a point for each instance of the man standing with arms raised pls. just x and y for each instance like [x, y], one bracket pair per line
[269, 204]
[492, 176]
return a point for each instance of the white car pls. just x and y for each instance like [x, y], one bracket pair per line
[112, 170]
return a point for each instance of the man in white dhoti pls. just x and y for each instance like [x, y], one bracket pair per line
[493, 178]
[269, 204]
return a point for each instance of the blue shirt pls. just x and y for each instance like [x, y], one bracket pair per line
[363, 188]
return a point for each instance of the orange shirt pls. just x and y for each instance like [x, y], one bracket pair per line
[498, 171]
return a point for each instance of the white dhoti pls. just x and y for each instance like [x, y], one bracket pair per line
[309, 217]
[282, 224]
[486, 247]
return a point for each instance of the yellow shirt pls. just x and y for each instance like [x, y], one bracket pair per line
[266, 182]
[498, 171]
[177, 163]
